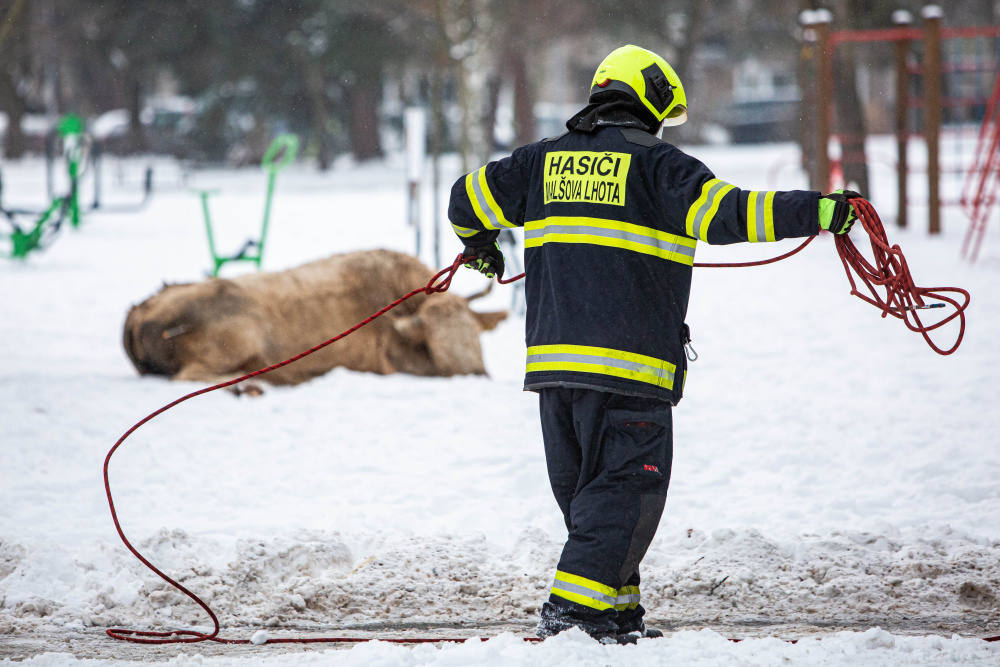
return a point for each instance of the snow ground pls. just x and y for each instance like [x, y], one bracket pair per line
[832, 470]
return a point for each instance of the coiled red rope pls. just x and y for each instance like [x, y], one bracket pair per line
[889, 272]
[888, 280]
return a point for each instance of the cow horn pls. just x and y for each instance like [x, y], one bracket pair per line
[411, 328]
[480, 295]
[174, 332]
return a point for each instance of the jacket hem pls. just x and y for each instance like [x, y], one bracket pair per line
[614, 388]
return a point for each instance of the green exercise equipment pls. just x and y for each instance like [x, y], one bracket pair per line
[82, 154]
[279, 155]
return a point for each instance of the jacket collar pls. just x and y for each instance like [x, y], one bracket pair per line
[614, 113]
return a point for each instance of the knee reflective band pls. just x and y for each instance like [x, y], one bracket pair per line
[603, 361]
[700, 214]
[584, 591]
[486, 207]
[594, 594]
[627, 598]
[760, 217]
[612, 234]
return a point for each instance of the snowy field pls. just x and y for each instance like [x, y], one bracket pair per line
[832, 475]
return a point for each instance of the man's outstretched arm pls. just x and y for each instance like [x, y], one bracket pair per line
[716, 212]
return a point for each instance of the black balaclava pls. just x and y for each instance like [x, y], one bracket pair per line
[613, 108]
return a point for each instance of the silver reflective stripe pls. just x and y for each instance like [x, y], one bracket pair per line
[642, 239]
[632, 598]
[706, 207]
[565, 357]
[483, 204]
[584, 591]
[760, 224]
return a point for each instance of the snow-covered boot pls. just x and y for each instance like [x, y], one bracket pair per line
[557, 618]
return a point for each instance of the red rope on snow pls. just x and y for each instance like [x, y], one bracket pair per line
[889, 272]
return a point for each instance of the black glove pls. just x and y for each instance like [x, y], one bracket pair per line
[488, 260]
[837, 214]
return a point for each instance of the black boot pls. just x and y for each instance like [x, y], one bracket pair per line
[630, 623]
[557, 618]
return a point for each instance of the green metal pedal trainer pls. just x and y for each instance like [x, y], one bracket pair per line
[82, 154]
[279, 155]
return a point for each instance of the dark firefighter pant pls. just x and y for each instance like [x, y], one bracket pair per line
[608, 458]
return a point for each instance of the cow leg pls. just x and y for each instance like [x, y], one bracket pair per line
[198, 373]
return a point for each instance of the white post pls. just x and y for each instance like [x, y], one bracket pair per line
[415, 126]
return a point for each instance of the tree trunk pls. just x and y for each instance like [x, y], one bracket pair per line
[362, 101]
[808, 78]
[493, 86]
[850, 123]
[524, 101]
[136, 139]
[15, 143]
[685, 54]
[317, 99]
[850, 119]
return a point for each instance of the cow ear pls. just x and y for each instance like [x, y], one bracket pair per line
[489, 321]
[411, 328]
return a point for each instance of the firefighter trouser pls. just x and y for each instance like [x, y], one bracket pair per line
[608, 458]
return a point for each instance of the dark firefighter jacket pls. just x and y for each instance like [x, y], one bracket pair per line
[611, 222]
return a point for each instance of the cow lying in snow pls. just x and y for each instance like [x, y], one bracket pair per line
[219, 329]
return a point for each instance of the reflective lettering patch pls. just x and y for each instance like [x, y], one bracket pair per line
[586, 177]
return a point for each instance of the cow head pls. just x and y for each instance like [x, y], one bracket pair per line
[158, 330]
[449, 331]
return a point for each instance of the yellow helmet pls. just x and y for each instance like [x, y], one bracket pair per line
[648, 78]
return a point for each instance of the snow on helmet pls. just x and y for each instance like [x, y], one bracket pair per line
[648, 78]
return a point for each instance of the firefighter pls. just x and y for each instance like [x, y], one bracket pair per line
[612, 217]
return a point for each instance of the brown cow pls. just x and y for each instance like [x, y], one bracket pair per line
[219, 329]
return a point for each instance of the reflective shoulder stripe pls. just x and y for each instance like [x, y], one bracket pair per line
[584, 591]
[701, 213]
[610, 233]
[601, 361]
[483, 202]
[760, 217]
[464, 232]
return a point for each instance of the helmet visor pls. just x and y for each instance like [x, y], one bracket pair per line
[677, 116]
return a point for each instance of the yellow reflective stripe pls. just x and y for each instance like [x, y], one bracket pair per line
[584, 591]
[602, 361]
[769, 216]
[760, 217]
[595, 586]
[701, 213]
[474, 198]
[582, 599]
[612, 234]
[464, 232]
[483, 203]
[628, 598]
[491, 202]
